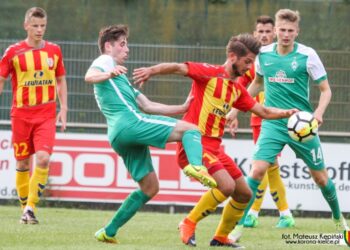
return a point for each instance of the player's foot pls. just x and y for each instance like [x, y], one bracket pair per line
[251, 221]
[200, 173]
[187, 232]
[236, 233]
[224, 242]
[101, 235]
[286, 222]
[340, 224]
[28, 217]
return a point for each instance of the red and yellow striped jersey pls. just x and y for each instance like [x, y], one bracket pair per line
[214, 96]
[33, 75]
[245, 80]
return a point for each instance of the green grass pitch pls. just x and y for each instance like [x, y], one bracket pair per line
[65, 229]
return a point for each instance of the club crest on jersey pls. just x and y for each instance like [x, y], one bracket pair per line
[50, 62]
[294, 64]
[38, 74]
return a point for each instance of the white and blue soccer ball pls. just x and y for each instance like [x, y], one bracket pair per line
[302, 126]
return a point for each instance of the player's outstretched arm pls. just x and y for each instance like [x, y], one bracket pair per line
[272, 113]
[94, 75]
[141, 75]
[157, 108]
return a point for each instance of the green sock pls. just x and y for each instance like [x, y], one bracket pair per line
[253, 184]
[192, 142]
[127, 210]
[330, 194]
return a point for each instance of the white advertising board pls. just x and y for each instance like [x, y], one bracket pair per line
[85, 168]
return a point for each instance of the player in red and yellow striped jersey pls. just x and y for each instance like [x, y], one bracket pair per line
[37, 74]
[215, 92]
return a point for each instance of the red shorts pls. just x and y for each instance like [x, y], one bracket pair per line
[214, 158]
[256, 133]
[32, 135]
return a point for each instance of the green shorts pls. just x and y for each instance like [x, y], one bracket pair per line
[132, 143]
[274, 137]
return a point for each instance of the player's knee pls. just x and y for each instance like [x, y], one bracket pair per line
[150, 190]
[149, 184]
[257, 173]
[184, 126]
[243, 195]
[23, 164]
[320, 177]
[42, 160]
[321, 181]
[226, 189]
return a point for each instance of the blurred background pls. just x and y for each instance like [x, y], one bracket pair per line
[179, 30]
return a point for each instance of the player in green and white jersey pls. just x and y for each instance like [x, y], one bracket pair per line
[131, 131]
[284, 68]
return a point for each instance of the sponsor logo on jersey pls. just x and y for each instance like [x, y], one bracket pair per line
[38, 74]
[38, 82]
[281, 77]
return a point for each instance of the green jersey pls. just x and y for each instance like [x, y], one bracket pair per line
[115, 97]
[286, 77]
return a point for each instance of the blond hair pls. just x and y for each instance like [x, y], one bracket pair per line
[287, 15]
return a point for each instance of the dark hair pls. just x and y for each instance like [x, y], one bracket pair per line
[264, 20]
[35, 12]
[242, 44]
[111, 34]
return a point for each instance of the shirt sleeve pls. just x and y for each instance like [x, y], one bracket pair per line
[201, 72]
[104, 62]
[247, 78]
[315, 67]
[60, 70]
[5, 65]
[137, 92]
[258, 69]
[244, 102]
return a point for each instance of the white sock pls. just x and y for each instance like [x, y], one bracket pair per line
[285, 213]
[28, 208]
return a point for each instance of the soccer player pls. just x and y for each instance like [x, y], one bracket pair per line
[264, 32]
[215, 91]
[131, 132]
[284, 69]
[38, 76]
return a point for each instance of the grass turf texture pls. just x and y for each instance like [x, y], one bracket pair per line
[66, 229]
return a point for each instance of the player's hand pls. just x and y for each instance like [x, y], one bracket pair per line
[290, 112]
[141, 75]
[232, 127]
[232, 115]
[62, 118]
[232, 121]
[118, 70]
[319, 117]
